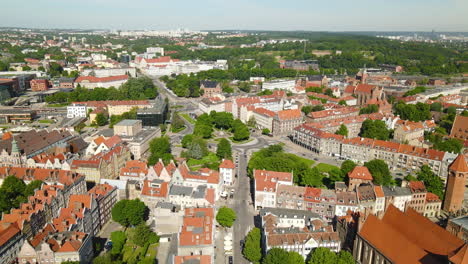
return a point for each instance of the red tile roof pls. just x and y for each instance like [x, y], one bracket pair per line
[197, 227]
[364, 88]
[360, 172]
[93, 79]
[379, 192]
[155, 189]
[199, 259]
[289, 114]
[267, 180]
[264, 112]
[227, 164]
[8, 231]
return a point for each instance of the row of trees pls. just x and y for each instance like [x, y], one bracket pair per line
[140, 88]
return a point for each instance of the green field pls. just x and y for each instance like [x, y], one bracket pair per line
[324, 167]
[187, 117]
[306, 161]
[209, 159]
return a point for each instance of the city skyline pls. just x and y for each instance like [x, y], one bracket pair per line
[336, 15]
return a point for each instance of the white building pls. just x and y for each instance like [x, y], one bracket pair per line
[227, 171]
[77, 110]
[288, 85]
[398, 196]
[109, 72]
[266, 183]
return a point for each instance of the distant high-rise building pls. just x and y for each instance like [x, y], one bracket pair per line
[455, 189]
[125, 58]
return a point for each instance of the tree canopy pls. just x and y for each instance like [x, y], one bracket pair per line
[252, 249]
[14, 191]
[130, 212]
[433, 183]
[375, 129]
[224, 150]
[226, 216]
[380, 172]
[281, 256]
[160, 148]
[343, 130]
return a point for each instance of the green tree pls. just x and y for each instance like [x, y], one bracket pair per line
[380, 172]
[104, 259]
[436, 106]
[281, 256]
[347, 166]
[252, 249]
[312, 177]
[177, 123]
[130, 212]
[118, 241]
[186, 140]
[344, 257]
[375, 129]
[306, 109]
[433, 183]
[224, 150]
[12, 193]
[343, 130]
[329, 92]
[33, 185]
[342, 102]
[160, 148]
[203, 130]
[370, 109]
[142, 234]
[322, 255]
[266, 131]
[226, 216]
[101, 119]
[241, 131]
[197, 149]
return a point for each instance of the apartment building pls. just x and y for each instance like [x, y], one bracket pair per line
[91, 82]
[296, 230]
[285, 121]
[266, 184]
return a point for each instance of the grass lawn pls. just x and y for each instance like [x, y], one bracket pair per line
[131, 252]
[46, 121]
[177, 130]
[195, 164]
[240, 142]
[306, 161]
[152, 251]
[187, 117]
[324, 167]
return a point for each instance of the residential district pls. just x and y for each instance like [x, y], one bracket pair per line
[231, 147]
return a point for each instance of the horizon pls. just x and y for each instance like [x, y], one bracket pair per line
[274, 15]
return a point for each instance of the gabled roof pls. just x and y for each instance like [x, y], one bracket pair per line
[360, 172]
[227, 164]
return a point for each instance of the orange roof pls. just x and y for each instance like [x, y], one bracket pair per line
[379, 192]
[227, 164]
[200, 259]
[7, 231]
[460, 257]
[264, 111]
[155, 188]
[289, 114]
[364, 88]
[93, 79]
[432, 198]
[101, 189]
[7, 135]
[267, 180]
[360, 172]
[459, 164]
[417, 186]
[197, 227]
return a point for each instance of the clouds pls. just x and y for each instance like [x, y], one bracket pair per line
[331, 15]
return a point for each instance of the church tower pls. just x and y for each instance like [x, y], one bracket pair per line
[455, 189]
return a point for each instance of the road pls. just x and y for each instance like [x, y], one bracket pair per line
[241, 204]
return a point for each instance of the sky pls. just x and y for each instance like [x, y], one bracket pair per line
[310, 15]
